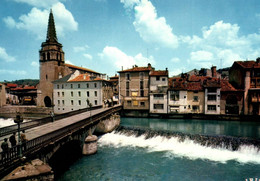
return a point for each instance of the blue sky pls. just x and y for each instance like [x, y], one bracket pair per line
[105, 35]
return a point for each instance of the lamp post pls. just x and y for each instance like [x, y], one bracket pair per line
[19, 120]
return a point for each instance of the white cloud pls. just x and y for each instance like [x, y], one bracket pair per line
[120, 59]
[9, 21]
[151, 28]
[13, 72]
[221, 42]
[175, 60]
[42, 3]
[35, 64]
[80, 48]
[201, 55]
[36, 21]
[88, 56]
[4, 56]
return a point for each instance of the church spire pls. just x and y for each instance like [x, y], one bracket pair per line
[51, 33]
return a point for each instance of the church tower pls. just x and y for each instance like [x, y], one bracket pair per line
[51, 65]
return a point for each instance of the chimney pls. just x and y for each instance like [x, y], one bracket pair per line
[149, 65]
[84, 76]
[214, 71]
[258, 60]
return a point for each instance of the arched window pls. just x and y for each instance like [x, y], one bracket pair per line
[43, 57]
[46, 77]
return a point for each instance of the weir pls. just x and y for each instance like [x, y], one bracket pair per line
[218, 141]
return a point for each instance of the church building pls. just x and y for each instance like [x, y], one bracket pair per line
[53, 66]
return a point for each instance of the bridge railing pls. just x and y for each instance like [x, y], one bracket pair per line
[30, 124]
[36, 144]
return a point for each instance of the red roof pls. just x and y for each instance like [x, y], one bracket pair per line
[137, 69]
[248, 64]
[11, 85]
[194, 86]
[159, 73]
[84, 77]
[80, 68]
[226, 86]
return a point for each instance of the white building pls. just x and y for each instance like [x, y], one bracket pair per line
[177, 101]
[158, 91]
[73, 92]
[212, 97]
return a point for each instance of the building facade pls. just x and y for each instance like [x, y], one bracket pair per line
[158, 91]
[75, 91]
[134, 88]
[245, 75]
[2, 95]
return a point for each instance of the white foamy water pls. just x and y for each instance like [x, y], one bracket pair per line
[187, 148]
[8, 122]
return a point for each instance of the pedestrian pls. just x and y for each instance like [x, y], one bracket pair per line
[12, 140]
[23, 140]
[5, 149]
[52, 116]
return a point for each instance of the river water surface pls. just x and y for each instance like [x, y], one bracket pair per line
[124, 157]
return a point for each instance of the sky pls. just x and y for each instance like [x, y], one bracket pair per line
[108, 35]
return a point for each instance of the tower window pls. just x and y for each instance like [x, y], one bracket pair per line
[46, 77]
[48, 56]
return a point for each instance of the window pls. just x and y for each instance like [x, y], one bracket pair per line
[127, 76]
[58, 94]
[129, 103]
[141, 84]
[71, 102]
[71, 94]
[127, 93]
[195, 108]
[163, 79]
[58, 102]
[79, 102]
[195, 98]
[95, 85]
[135, 103]
[142, 104]
[212, 107]
[87, 93]
[212, 98]
[62, 86]
[58, 86]
[157, 78]
[158, 106]
[87, 85]
[79, 94]
[158, 96]
[62, 94]
[78, 85]
[63, 102]
[174, 95]
[95, 102]
[127, 85]
[71, 86]
[95, 93]
[142, 93]
[134, 93]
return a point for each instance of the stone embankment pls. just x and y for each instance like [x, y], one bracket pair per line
[27, 111]
[108, 125]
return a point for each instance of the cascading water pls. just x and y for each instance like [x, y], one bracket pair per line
[214, 148]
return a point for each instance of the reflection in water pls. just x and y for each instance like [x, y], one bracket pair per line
[207, 127]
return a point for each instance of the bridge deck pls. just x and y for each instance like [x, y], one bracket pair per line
[56, 125]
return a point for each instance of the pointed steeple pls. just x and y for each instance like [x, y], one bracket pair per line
[51, 33]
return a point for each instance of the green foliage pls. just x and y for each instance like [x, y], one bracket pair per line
[30, 82]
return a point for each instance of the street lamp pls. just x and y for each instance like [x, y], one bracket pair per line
[19, 120]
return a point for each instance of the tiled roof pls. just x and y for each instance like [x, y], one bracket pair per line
[84, 77]
[11, 85]
[159, 73]
[226, 86]
[63, 79]
[137, 69]
[194, 86]
[80, 68]
[248, 64]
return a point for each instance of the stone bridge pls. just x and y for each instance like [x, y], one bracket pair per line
[54, 142]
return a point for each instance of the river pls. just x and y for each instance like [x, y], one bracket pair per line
[124, 156]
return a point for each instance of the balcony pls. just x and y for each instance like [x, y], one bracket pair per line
[255, 82]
